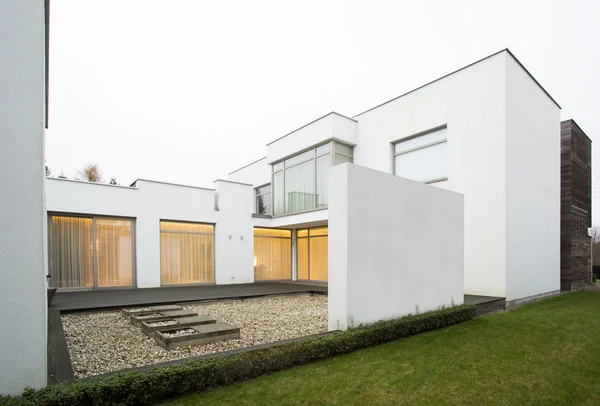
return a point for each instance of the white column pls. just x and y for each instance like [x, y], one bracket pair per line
[22, 212]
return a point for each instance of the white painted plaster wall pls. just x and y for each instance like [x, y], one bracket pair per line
[23, 320]
[330, 126]
[533, 187]
[257, 173]
[234, 240]
[472, 104]
[393, 251]
[149, 202]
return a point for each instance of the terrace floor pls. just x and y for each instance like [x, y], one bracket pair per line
[102, 299]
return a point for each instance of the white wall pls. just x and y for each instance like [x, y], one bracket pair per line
[533, 187]
[332, 125]
[150, 202]
[472, 104]
[395, 246]
[23, 287]
[234, 240]
[257, 173]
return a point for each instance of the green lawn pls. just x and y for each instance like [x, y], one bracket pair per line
[542, 353]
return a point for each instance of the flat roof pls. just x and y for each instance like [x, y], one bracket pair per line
[314, 121]
[463, 68]
[571, 121]
[245, 166]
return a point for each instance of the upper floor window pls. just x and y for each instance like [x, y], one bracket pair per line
[263, 199]
[422, 158]
[300, 181]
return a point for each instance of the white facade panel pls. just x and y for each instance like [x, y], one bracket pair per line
[393, 251]
[533, 187]
[471, 104]
[257, 173]
[325, 128]
[22, 265]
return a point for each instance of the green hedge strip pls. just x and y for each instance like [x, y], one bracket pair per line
[153, 385]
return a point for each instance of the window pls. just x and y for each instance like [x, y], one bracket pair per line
[300, 182]
[272, 254]
[422, 158]
[263, 200]
[90, 252]
[313, 254]
[186, 253]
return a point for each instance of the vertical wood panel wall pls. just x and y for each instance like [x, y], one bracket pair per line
[575, 207]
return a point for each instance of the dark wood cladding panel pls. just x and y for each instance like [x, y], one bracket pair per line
[575, 206]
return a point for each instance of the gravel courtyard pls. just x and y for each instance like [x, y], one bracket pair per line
[104, 341]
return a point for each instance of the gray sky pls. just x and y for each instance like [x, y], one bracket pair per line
[186, 91]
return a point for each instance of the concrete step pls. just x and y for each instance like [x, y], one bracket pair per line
[128, 313]
[137, 320]
[204, 334]
[181, 322]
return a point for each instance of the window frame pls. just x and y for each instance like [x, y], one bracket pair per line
[290, 238]
[214, 250]
[332, 153]
[257, 195]
[93, 217]
[394, 154]
[308, 238]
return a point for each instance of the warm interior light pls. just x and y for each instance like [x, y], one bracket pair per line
[255, 260]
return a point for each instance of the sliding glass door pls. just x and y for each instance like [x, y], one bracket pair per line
[186, 253]
[272, 254]
[90, 252]
[313, 254]
[114, 252]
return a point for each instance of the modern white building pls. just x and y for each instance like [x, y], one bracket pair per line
[488, 131]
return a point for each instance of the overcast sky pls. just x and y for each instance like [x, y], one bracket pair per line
[186, 91]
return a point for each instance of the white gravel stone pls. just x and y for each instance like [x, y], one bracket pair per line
[162, 323]
[148, 316]
[104, 341]
[180, 333]
[140, 309]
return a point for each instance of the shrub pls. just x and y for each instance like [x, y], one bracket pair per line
[596, 271]
[153, 385]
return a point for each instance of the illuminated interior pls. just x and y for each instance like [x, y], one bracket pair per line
[186, 253]
[79, 261]
[313, 254]
[272, 254]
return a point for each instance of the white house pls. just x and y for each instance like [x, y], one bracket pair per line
[488, 131]
[453, 188]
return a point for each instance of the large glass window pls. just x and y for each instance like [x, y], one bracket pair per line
[300, 182]
[422, 158]
[272, 254]
[313, 254]
[114, 243]
[90, 252]
[186, 253]
[71, 252]
[263, 200]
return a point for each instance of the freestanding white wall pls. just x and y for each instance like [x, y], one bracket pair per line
[395, 247]
[23, 286]
[532, 187]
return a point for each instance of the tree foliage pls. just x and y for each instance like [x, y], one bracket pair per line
[91, 173]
